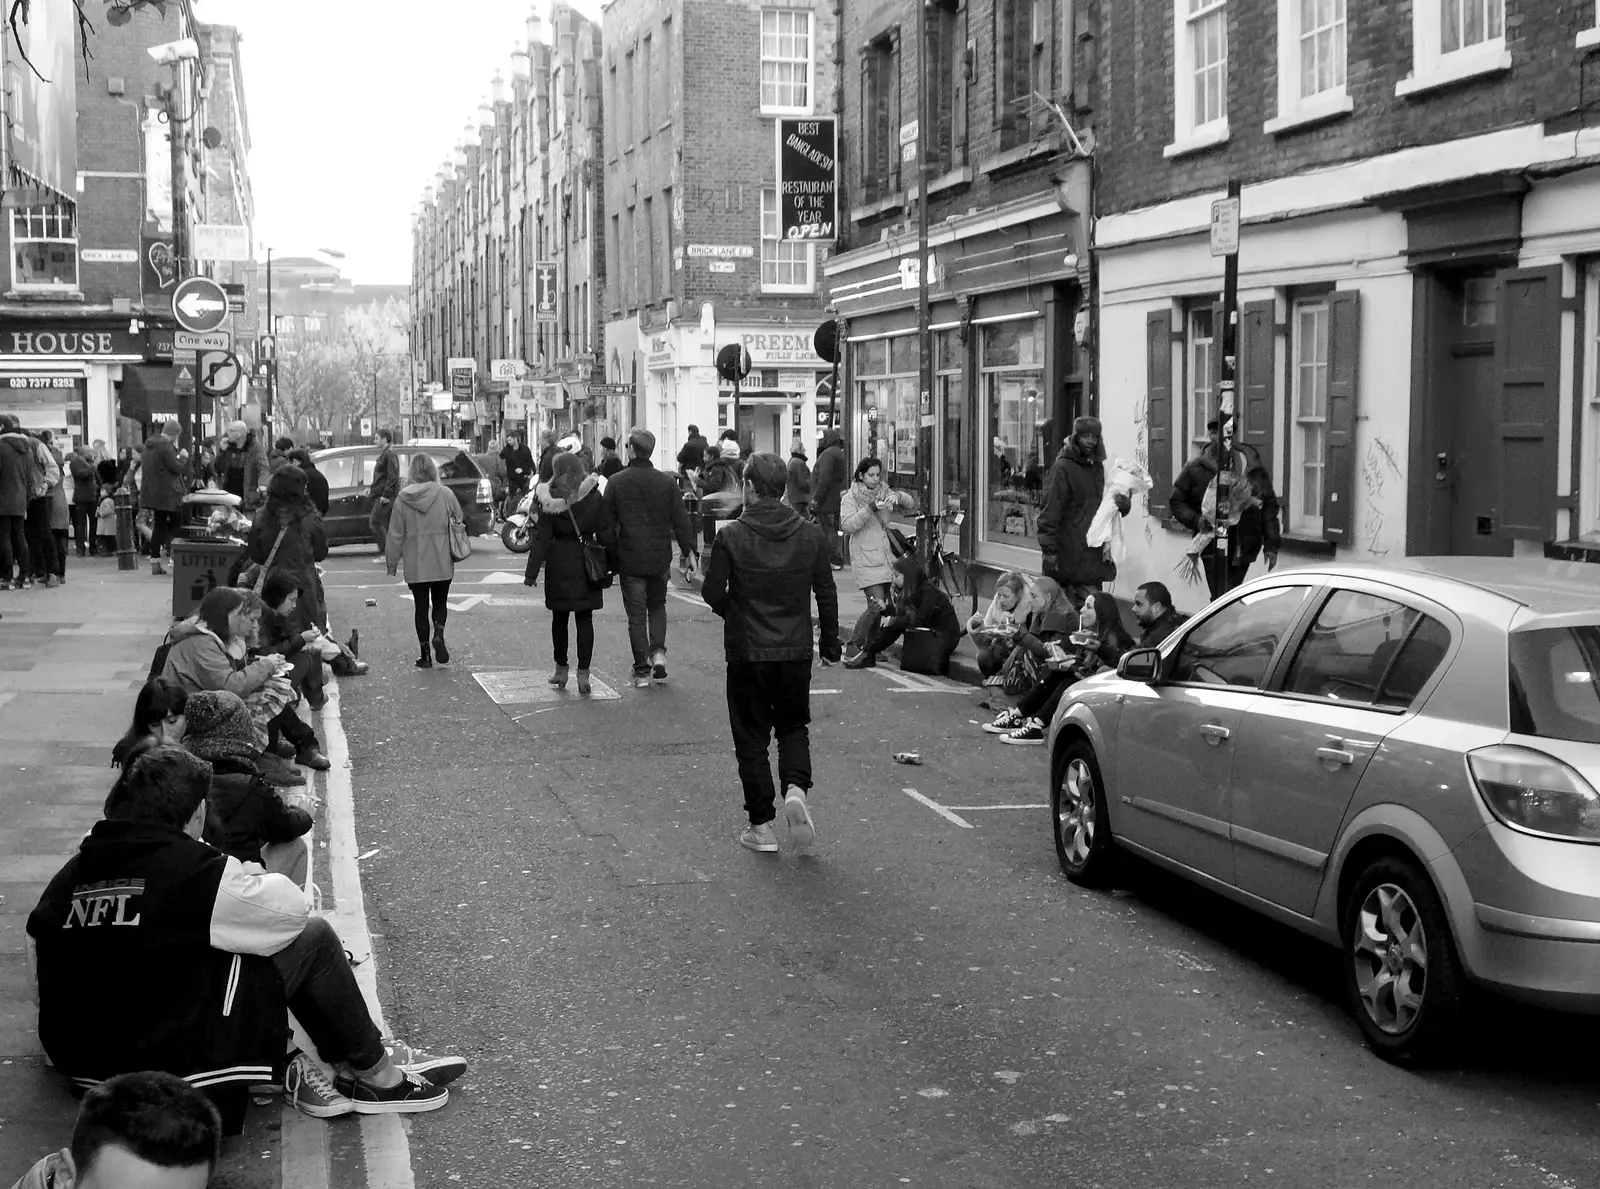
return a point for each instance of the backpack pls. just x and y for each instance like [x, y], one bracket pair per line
[43, 471]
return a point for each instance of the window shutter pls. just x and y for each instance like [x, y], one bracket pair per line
[1528, 329]
[1339, 442]
[1257, 384]
[1158, 407]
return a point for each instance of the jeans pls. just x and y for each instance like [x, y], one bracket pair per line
[378, 522]
[83, 527]
[438, 593]
[41, 545]
[558, 637]
[992, 657]
[290, 726]
[767, 698]
[163, 527]
[1040, 702]
[14, 546]
[645, 600]
[322, 992]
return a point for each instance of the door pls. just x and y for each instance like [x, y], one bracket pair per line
[1176, 739]
[344, 523]
[1303, 749]
[1464, 398]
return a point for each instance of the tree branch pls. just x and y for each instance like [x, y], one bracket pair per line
[16, 35]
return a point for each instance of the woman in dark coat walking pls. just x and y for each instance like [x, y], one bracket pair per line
[304, 541]
[570, 508]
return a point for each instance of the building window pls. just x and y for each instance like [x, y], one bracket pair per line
[1200, 79]
[950, 361]
[44, 247]
[1453, 40]
[1322, 48]
[947, 101]
[1017, 417]
[647, 85]
[666, 242]
[1591, 36]
[1029, 45]
[785, 61]
[880, 118]
[785, 264]
[1200, 372]
[625, 108]
[650, 273]
[1311, 62]
[886, 396]
[1308, 344]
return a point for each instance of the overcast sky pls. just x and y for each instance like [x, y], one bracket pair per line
[353, 106]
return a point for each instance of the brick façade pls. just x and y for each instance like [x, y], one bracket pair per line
[1550, 80]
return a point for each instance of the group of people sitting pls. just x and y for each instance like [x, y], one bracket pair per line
[1034, 644]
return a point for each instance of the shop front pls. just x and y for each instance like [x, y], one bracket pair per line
[61, 374]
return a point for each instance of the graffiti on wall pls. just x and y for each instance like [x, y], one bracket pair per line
[1379, 468]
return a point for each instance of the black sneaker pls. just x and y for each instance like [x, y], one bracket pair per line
[412, 1095]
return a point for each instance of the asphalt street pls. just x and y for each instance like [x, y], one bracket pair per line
[555, 891]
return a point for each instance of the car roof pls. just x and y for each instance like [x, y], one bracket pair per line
[430, 447]
[1541, 586]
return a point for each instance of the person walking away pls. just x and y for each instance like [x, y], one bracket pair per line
[288, 536]
[1072, 494]
[720, 488]
[1153, 611]
[16, 470]
[828, 482]
[610, 464]
[385, 486]
[692, 456]
[573, 516]
[864, 517]
[689, 491]
[85, 490]
[419, 534]
[163, 484]
[763, 572]
[547, 454]
[518, 461]
[917, 603]
[648, 512]
[60, 511]
[1256, 531]
[798, 493]
[316, 481]
[242, 465]
[43, 475]
[1099, 643]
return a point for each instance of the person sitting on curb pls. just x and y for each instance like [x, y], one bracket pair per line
[917, 603]
[202, 953]
[994, 631]
[147, 1129]
[157, 718]
[1154, 613]
[245, 816]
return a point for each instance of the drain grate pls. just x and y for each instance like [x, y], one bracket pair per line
[522, 687]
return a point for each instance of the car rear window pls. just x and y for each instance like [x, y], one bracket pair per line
[456, 465]
[1555, 683]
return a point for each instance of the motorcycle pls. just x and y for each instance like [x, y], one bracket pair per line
[516, 534]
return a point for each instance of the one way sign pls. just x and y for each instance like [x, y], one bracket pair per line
[199, 305]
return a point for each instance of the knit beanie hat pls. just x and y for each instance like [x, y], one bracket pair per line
[218, 726]
[730, 449]
[1083, 425]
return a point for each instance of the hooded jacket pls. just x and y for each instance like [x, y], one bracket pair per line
[164, 480]
[244, 812]
[557, 550]
[830, 476]
[386, 475]
[419, 532]
[85, 485]
[1258, 527]
[242, 469]
[16, 455]
[693, 454]
[799, 490]
[764, 569]
[60, 507]
[1072, 495]
[154, 951]
[304, 544]
[647, 511]
[199, 660]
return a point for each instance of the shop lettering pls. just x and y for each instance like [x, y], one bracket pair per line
[774, 347]
[65, 342]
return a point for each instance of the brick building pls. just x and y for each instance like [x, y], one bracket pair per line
[1012, 92]
[1419, 265]
[693, 262]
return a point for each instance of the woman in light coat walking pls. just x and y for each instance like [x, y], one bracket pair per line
[419, 533]
[864, 518]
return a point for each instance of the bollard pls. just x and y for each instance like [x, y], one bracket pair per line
[127, 531]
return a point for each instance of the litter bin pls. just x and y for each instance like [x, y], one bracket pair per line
[198, 568]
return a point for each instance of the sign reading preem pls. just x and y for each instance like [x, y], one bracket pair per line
[808, 185]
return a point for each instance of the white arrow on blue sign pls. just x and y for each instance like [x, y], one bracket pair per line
[199, 304]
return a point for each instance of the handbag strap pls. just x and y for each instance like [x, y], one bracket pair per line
[582, 540]
[261, 578]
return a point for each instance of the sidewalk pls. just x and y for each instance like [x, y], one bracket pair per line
[71, 661]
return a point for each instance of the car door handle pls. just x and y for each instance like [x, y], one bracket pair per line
[1215, 733]
[1334, 755]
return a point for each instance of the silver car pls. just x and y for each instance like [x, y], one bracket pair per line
[1401, 760]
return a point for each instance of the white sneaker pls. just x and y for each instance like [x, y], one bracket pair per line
[1006, 720]
[310, 1091]
[762, 838]
[801, 830]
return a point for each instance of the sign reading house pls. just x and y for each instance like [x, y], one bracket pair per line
[41, 339]
[808, 187]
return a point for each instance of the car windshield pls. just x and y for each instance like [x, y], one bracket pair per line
[1555, 683]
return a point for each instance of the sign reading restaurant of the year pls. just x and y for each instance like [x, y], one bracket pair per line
[808, 193]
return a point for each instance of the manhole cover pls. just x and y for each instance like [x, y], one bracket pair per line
[519, 687]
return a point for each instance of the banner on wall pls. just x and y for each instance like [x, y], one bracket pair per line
[43, 108]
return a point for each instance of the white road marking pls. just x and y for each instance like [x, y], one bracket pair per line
[501, 578]
[971, 808]
[692, 600]
[937, 808]
[917, 683]
[454, 602]
[827, 691]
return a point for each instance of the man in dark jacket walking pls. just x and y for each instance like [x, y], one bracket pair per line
[764, 569]
[242, 465]
[316, 481]
[1249, 487]
[648, 513]
[385, 486]
[1072, 494]
[828, 480]
[163, 482]
[518, 460]
[693, 455]
[799, 492]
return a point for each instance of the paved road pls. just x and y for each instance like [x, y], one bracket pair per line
[556, 892]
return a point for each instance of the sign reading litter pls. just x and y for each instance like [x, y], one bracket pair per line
[808, 186]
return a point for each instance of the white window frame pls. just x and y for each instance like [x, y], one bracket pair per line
[1432, 67]
[1303, 523]
[45, 212]
[807, 63]
[1587, 481]
[1197, 419]
[783, 251]
[1295, 110]
[1189, 136]
[1591, 35]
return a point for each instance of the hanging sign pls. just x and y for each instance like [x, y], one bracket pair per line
[808, 184]
[544, 301]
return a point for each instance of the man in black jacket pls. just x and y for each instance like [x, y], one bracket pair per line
[829, 478]
[519, 464]
[764, 569]
[648, 513]
[1072, 495]
[1255, 534]
[1154, 613]
[385, 487]
[316, 481]
[693, 455]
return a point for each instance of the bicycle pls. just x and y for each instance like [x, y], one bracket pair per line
[946, 567]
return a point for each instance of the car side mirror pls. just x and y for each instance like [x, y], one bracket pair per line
[1142, 664]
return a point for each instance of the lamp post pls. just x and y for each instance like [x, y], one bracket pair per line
[925, 418]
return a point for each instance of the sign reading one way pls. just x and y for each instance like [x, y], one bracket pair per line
[808, 187]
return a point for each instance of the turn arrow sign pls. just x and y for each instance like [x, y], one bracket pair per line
[199, 304]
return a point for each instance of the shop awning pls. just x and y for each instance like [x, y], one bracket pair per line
[146, 395]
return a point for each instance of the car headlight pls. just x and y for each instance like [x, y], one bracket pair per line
[1531, 791]
[485, 492]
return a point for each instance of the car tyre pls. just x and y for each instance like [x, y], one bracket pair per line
[1078, 818]
[1403, 977]
[515, 539]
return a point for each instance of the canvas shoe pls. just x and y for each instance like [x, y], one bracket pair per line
[1029, 734]
[307, 1088]
[436, 1071]
[761, 838]
[658, 665]
[801, 830]
[411, 1095]
[641, 680]
[1005, 721]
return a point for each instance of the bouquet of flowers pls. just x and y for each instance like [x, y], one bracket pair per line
[1105, 530]
[1242, 496]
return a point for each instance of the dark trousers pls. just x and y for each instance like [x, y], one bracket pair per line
[895, 628]
[436, 593]
[829, 522]
[163, 526]
[767, 698]
[41, 544]
[14, 547]
[559, 638]
[58, 537]
[306, 676]
[1041, 701]
[645, 600]
[322, 992]
[378, 522]
[83, 527]
[992, 657]
[1233, 574]
[289, 725]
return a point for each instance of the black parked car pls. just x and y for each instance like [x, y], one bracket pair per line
[348, 470]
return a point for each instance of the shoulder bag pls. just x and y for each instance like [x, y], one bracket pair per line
[595, 570]
[261, 578]
[1021, 672]
[460, 543]
[899, 544]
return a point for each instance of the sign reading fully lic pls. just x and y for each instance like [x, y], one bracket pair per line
[808, 179]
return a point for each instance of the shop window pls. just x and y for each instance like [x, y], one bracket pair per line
[785, 62]
[1453, 40]
[1017, 415]
[785, 263]
[44, 247]
[1308, 345]
[949, 363]
[880, 118]
[1200, 74]
[886, 393]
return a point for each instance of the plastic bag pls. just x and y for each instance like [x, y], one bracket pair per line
[1105, 530]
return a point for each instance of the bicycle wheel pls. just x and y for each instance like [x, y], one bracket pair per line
[956, 576]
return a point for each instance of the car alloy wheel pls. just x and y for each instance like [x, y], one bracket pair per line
[1078, 814]
[1391, 957]
[1075, 816]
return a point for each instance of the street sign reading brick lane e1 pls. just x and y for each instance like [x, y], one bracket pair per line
[808, 185]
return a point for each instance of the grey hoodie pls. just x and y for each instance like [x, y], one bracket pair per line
[419, 532]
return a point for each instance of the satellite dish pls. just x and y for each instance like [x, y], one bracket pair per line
[212, 137]
[733, 362]
[826, 341]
